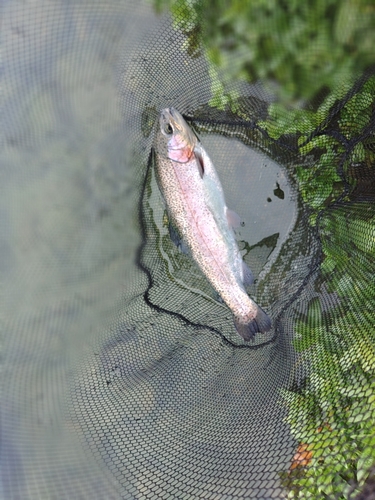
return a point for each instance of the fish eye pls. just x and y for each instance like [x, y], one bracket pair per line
[168, 129]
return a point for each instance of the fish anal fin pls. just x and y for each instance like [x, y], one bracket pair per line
[247, 275]
[234, 220]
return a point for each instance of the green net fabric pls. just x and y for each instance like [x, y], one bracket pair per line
[123, 376]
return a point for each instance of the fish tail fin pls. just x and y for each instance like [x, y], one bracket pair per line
[260, 323]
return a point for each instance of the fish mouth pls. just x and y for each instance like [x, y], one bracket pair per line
[166, 122]
[172, 123]
[168, 113]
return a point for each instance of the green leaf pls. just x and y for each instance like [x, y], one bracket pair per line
[365, 461]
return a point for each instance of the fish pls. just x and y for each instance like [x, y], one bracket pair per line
[197, 211]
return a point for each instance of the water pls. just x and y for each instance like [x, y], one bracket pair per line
[73, 164]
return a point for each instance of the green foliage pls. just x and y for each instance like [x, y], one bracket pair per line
[300, 49]
[320, 184]
[305, 52]
[334, 414]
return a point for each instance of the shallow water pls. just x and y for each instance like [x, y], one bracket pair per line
[72, 305]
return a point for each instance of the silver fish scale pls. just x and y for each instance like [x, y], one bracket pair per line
[197, 207]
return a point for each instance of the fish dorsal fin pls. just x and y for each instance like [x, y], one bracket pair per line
[200, 162]
[234, 220]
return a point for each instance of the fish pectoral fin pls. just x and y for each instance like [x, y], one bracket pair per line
[234, 220]
[200, 162]
[177, 240]
[218, 297]
[247, 275]
[174, 235]
[184, 248]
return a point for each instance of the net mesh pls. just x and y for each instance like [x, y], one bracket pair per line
[123, 376]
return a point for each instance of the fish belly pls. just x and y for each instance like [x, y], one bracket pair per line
[208, 238]
[199, 227]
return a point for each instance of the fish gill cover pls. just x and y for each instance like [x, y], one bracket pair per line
[123, 376]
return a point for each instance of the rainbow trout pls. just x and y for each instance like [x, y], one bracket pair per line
[196, 208]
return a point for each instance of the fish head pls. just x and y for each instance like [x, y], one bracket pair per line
[175, 138]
